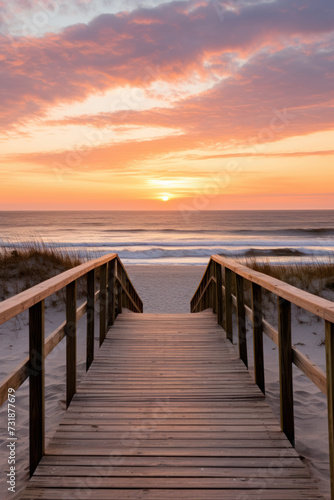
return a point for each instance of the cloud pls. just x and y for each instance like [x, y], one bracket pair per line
[175, 40]
[272, 96]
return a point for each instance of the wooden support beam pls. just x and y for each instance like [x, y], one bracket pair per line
[36, 385]
[330, 397]
[219, 294]
[103, 303]
[213, 288]
[119, 290]
[111, 292]
[257, 320]
[90, 318]
[71, 341]
[241, 319]
[228, 304]
[285, 368]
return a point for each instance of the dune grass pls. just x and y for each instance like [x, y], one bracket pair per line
[22, 267]
[316, 277]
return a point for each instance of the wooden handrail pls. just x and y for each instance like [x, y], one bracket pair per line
[110, 297]
[209, 295]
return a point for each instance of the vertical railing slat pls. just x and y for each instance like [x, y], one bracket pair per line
[257, 320]
[219, 294]
[330, 397]
[285, 368]
[71, 341]
[103, 302]
[213, 287]
[119, 289]
[36, 385]
[241, 316]
[228, 304]
[90, 318]
[111, 292]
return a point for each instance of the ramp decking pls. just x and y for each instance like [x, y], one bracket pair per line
[169, 411]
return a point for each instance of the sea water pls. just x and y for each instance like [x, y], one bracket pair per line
[177, 237]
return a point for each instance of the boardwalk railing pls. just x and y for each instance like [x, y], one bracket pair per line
[215, 291]
[115, 291]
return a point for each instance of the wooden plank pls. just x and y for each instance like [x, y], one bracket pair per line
[257, 321]
[36, 385]
[119, 292]
[167, 410]
[241, 318]
[264, 492]
[213, 297]
[219, 295]
[103, 303]
[285, 368]
[330, 397]
[71, 341]
[175, 482]
[111, 292]
[228, 304]
[90, 318]
[163, 471]
[190, 461]
[15, 379]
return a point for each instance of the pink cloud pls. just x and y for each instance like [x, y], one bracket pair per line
[178, 38]
[274, 95]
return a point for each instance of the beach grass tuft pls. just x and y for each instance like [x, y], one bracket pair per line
[315, 277]
[23, 266]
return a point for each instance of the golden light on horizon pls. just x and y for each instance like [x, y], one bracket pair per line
[165, 197]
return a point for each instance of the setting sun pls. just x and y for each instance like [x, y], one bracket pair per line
[165, 198]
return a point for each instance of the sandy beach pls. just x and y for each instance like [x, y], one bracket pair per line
[169, 289]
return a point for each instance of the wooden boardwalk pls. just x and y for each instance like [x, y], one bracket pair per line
[169, 411]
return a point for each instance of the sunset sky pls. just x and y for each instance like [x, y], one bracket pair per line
[166, 104]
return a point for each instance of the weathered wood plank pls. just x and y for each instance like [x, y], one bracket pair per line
[71, 341]
[90, 318]
[285, 368]
[228, 304]
[330, 396]
[257, 321]
[168, 410]
[103, 302]
[36, 385]
[241, 317]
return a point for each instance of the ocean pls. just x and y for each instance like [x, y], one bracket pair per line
[176, 237]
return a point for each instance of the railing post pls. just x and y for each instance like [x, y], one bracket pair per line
[119, 289]
[111, 292]
[257, 321]
[285, 368]
[241, 319]
[90, 318]
[219, 294]
[36, 385]
[330, 397]
[71, 341]
[213, 288]
[103, 302]
[126, 298]
[228, 304]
